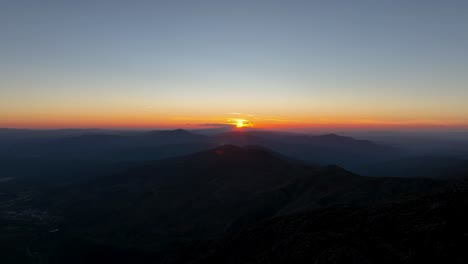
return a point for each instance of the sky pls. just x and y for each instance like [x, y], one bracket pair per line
[273, 64]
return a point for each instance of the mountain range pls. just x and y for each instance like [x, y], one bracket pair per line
[164, 204]
[119, 146]
[232, 197]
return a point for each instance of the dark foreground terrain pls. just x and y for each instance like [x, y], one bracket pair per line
[416, 229]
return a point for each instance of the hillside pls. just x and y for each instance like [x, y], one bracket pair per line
[417, 229]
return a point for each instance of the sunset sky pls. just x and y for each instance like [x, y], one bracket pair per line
[274, 64]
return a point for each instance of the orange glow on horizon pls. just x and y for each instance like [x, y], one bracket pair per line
[197, 121]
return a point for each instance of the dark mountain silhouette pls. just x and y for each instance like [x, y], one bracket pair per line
[206, 194]
[427, 228]
[93, 196]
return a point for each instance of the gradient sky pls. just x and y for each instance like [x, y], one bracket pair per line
[282, 64]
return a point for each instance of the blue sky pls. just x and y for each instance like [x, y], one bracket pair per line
[389, 61]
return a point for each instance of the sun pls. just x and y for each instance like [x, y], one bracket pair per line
[240, 123]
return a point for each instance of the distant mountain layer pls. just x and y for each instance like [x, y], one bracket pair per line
[114, 146]
[106, 146]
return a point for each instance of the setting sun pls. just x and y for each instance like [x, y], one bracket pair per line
[240, 123]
